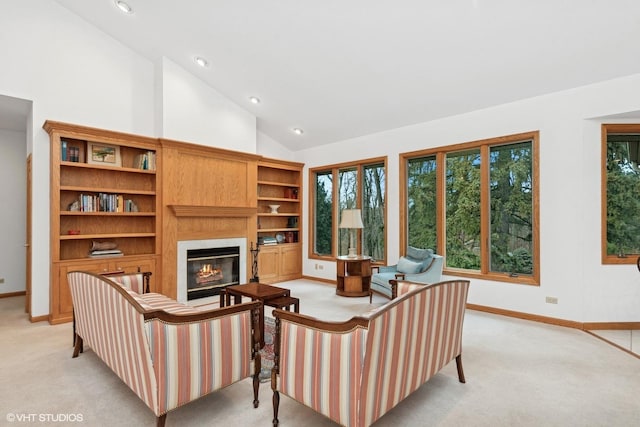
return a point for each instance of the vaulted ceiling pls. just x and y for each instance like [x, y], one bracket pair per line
[344, 68]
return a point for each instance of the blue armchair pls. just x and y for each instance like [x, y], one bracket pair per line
[418, 265]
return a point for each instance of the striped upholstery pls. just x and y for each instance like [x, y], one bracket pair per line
[166, 364]
[182, 357]
[320, 368]
[114, 330]
[354, 378]
[135, 282]
[406, 287]
[410, 343]
[163, 302]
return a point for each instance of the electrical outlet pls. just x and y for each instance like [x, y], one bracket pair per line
[321, 267]
[551, 300]
[316, 266]
[1, 279]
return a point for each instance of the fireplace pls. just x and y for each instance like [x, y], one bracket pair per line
[207, 266]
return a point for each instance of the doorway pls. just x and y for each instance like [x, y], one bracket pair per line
[15, 116]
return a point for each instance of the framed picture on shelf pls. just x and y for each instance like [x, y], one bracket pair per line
[103, 154]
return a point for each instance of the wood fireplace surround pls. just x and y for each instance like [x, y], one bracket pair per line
[207, 193]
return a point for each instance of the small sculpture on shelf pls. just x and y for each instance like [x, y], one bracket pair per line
[74, 206]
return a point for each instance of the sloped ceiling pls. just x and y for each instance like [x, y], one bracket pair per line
[340, 69]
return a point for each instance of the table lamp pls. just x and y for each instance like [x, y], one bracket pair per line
[351, 219]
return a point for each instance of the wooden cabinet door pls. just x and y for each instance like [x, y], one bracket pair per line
[268, 264]
[61, 304]
[290, 262]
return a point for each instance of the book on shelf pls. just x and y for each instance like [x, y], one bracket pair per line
[146, 161]
[105, 253]
[267, 241]
[70, 153]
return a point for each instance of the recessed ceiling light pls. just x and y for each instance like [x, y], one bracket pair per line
[298, 131]
[123, 6]
[201, 61]
[254, 100]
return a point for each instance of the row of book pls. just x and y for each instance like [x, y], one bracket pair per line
[146, 161]
[105, 202]
[70, 153]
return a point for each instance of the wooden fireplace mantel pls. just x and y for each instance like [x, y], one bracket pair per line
[213, 211]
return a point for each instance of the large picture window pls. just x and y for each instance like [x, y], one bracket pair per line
[620, 193]
[359, 185]
[477, 205]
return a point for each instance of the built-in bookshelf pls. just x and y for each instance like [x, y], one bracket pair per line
[279, 219]
[104, 193]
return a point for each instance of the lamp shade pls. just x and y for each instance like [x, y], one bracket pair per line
[351, 218]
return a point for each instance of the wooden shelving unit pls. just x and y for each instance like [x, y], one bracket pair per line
[279, 183]
[78, 218]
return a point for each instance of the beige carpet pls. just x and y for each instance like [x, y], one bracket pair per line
[519, 373]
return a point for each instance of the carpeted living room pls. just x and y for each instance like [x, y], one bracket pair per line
[210, 208]
[517, 372]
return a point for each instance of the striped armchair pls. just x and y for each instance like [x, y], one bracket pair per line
[355, 371]
[168, 353]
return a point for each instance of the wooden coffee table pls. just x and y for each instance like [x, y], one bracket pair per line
[255, 291]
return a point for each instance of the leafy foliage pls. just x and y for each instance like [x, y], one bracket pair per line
[463, 210]
[323, 221]
[623, 195]
[511, 208]
[421, 211]
[373, 202]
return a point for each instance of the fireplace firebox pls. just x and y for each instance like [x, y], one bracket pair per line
[190, 249]
[210, 270]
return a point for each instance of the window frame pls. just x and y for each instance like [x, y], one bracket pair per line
[607, 128]
[359, 166]
[485, 204]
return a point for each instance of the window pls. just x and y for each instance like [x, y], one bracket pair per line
[323, 219]
[476, 204]
[620, 190]
[421, 206]
[360, 185]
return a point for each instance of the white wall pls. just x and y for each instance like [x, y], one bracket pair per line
[194, 112]
[269, 147]
[569, 197]
[75, 73]
[13, 182]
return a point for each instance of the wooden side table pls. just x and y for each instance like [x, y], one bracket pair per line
[255, 291]
[354, 276]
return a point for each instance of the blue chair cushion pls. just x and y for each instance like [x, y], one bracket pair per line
[419, 254]
[407, 266]
[380, 282]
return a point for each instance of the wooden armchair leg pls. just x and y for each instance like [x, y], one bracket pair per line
[161, 420]
[276, 404]
[256, 380]
[77, 349]
[460, 371]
